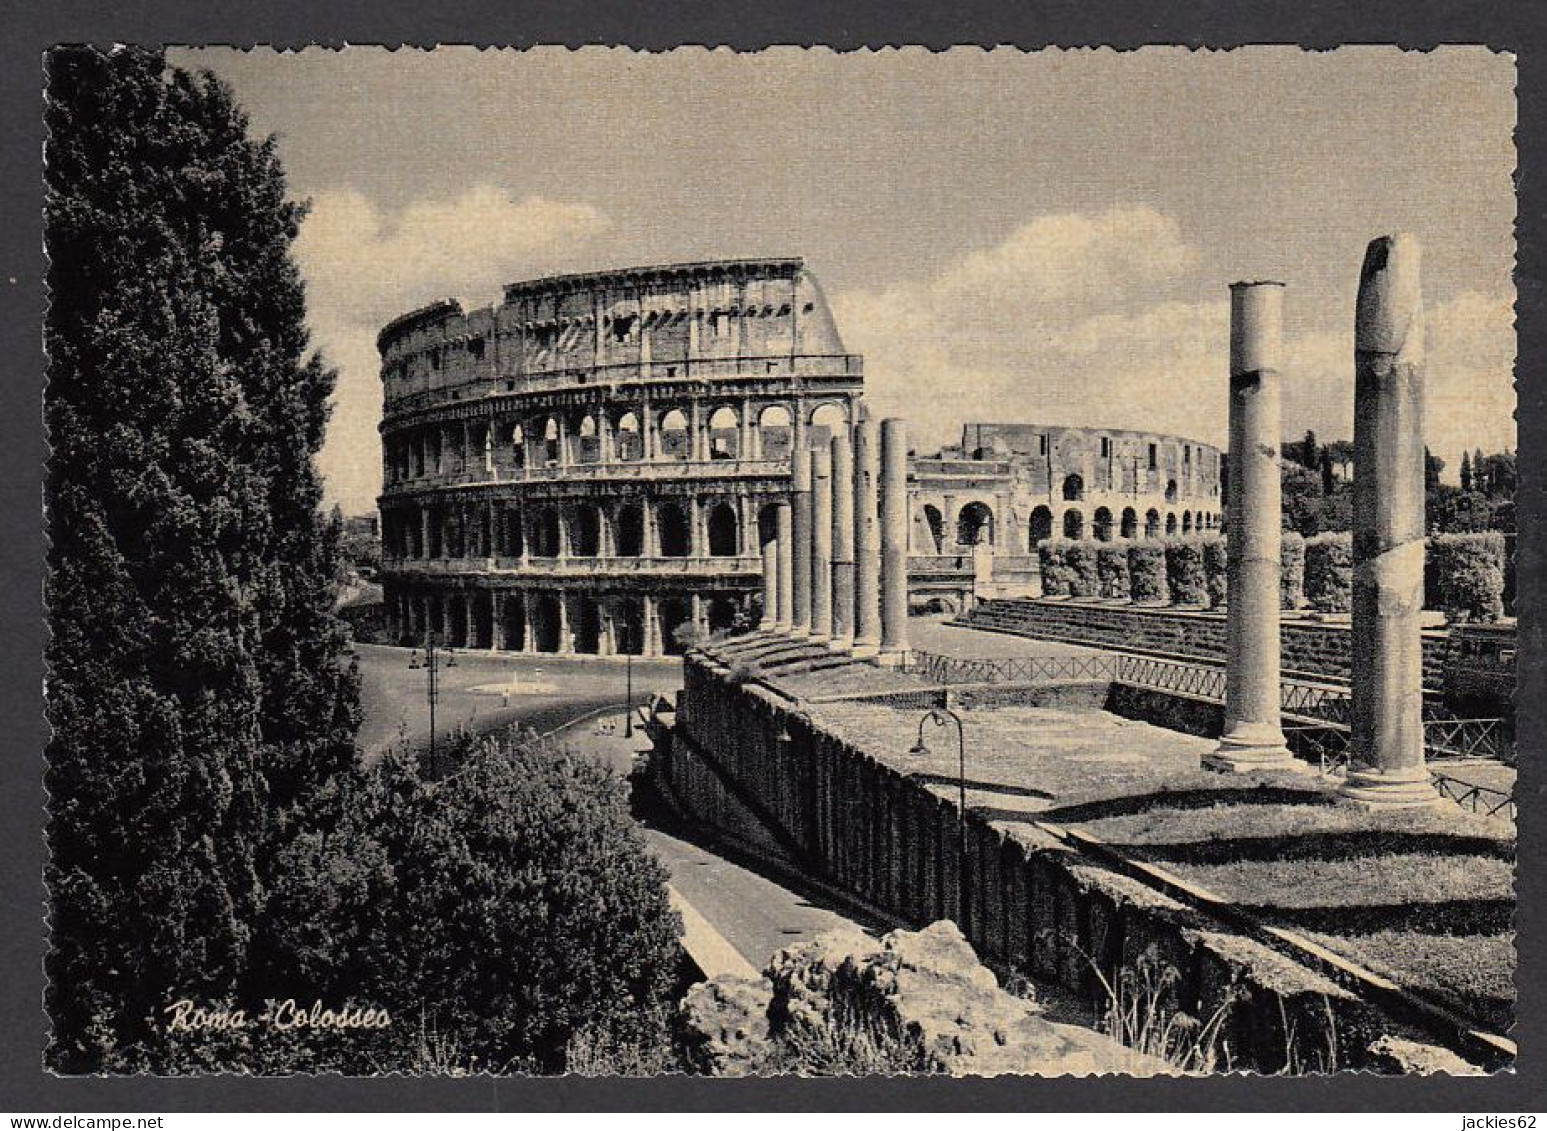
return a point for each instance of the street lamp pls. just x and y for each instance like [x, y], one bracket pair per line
[431, 665]
[940, 716]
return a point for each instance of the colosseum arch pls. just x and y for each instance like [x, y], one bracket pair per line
[1130, 523]
[515, 622]
[629, 626]
[1152, 523]
[585, 535]
[1187, 522]
[1170, 522]
[517, 446]
[1074, 488]
[458, 613]
[767, 524]
[774, 432]
[543, 623]
[676, 537]
[1074, 524]
[974, 524]
[590, 441]
[630, 540]
[675, 438]
[724, 539]
[935, 522]
[673, 614]
[587, 625]
[1170, 490]
[1040, 528]
[545, 537]
[721, 614]
[483, 619]
[627, 438]
[1101, 525]
[724, 434]
[551, 442]
[831, 415]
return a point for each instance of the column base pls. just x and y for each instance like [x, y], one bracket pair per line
[893, 659]
[866, 649]
[843, 644]
[1252, 749]
[1400, 789]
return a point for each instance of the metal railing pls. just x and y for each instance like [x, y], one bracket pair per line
[1009, 669]
[1198, 680]
[1477, 798]
[578, 565]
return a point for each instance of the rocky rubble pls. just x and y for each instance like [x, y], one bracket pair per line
[912, 1001]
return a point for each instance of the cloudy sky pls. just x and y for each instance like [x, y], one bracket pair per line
[1003, 235]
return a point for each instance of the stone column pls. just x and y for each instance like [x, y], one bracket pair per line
[650, 645]
[528, 637]
[566, 639]
[1386, 763]
[867, 539]
[843, 540]
[822, 544]
[1253, 737]
[800, 516]
[770, 552]
[425, 521]
[894, 537]
[785, 557]
[497, 615]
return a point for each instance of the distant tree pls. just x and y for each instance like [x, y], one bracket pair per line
[1466, 472]
[1479, 472]
[195, 689]
[1342, 455]
[1432, 467]
[1499, 475]
[1328, 481]
[1309, 454]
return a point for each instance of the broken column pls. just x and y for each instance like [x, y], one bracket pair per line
[842, 454]
[822, 544]
[1253, 737]
[1386, 761]
[800, 515]
[784, 570]
[894, 537]
[867, 538]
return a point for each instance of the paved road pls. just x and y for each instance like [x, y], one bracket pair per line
[486, 691]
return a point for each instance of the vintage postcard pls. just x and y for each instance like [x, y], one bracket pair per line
[970, 563]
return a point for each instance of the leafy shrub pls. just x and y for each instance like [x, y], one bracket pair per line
[1329, 572]
[1184, 572]
[1215, 569]
[510, 910]
[1055, 573]
[1112, 568]
[1465, 576]
[1292, 571]
[1147, 572]
[1080, 560]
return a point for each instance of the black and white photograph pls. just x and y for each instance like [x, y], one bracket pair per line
[593, 563]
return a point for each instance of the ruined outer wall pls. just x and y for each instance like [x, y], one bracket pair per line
[854, 822]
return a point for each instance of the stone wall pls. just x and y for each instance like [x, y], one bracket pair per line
[1318, 649]
[1030, 904]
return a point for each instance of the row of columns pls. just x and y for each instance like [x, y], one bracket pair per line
[1387, 758]
[416, 615]
[836, 570]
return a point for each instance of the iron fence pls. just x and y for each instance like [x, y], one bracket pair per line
[1477, 798]
[1009, 669]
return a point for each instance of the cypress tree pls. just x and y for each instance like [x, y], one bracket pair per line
[1466, 471]
[195, 689]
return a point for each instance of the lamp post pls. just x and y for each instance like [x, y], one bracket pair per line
[940, 716]
[431, 666]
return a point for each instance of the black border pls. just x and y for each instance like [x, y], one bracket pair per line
[27, 27]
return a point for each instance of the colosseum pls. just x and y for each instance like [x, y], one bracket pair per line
[595, 462]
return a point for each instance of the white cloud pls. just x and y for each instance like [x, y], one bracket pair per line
[363, 266]
[1061, 323]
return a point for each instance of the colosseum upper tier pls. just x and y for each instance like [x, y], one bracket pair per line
[595, 462]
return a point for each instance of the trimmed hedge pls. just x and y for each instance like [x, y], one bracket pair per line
[1329, 572]
[1147, 572]
[1080, 561]
[1292, 571]
[1055, 574]
[1184, 572]
[1215, 569]
[1112, 568]
[1465, 576]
